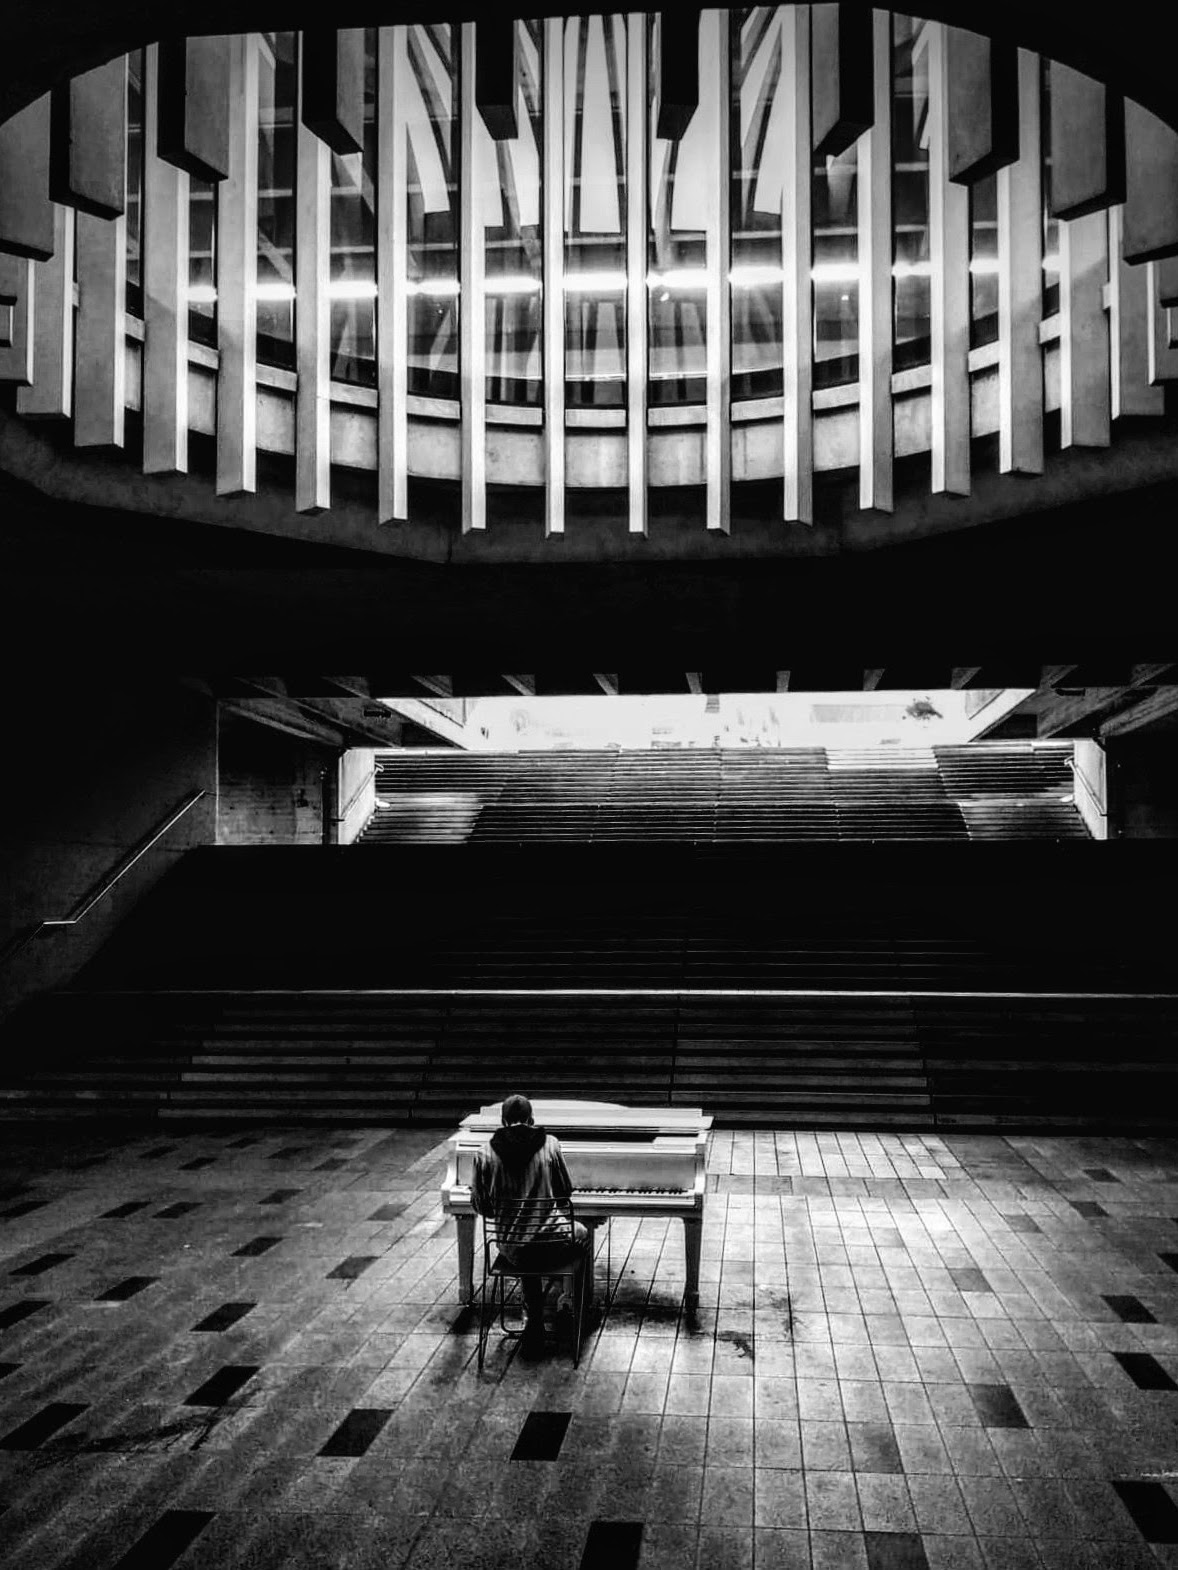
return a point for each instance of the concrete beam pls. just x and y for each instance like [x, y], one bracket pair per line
[1146, 710]
[1057, 714]
[963, 676]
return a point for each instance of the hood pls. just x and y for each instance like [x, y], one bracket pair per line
[517, 1143]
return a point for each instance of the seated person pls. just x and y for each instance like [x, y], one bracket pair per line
[525, 1162]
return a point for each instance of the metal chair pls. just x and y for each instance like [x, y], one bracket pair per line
[555, 1255]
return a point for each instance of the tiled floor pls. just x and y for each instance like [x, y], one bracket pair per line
[222, 1350]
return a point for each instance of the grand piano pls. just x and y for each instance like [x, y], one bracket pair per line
[624, 1161]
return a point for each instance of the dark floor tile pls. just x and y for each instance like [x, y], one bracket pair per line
[1151, 1507]
[349, 1269]
[256, 1246]
[280, 1196]
[1130, 1309]
[895, 1551]
[1088, 1208]
[224, 1384]
[968, 1278]
[1022, 1223]
[1100, 1175]
[128, 1209]
[357, 1431]
[874, 1448]
[128, 1288]
[38, 1267]
[41, 1426]
[997, 1406]
[8, 1368]
[1145, 1371]
[243, 1142]
[1169, 1259]
[290, 1152]
[228, 1314]
[162, 1544]
[197, 1163]
[25, 1208]
[389, 1212]
[173, 1212]
[332, 1164]
[612, 1545]
[158, 1155]
[15, 1312]
[541, 1436]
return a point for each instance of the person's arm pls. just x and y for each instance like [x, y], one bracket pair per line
[562, 1184]
[480, 1187]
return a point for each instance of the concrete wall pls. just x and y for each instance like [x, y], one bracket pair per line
[356, 793]
[272, 785]
[91, 773]
[1143, 786]
[1090, 785]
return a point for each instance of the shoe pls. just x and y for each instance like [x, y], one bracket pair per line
[533, 1340]
[566, 1318]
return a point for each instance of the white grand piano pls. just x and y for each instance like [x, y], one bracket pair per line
[624, 1161]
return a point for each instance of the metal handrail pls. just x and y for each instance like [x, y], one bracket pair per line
[20, 941]
[356, 794]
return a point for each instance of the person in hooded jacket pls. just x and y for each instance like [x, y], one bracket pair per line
[525, 1162]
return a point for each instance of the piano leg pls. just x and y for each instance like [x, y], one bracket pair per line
[692, 1237]
[590, 1258]
[465, 1225]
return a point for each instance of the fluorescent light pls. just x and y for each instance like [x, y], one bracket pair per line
[984, 266]
[835, 272]
[1051, 263]
[437, 288]
[912, 270]
[754, 273]
[279, 292]
[202, 294]
[512, 283]
[593, 283]
[352, 289]
[679, 278]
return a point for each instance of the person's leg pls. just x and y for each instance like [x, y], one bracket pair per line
[584, 1240]
[533, 1291]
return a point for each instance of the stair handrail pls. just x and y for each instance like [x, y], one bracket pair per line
[356, 794]
[21, 939]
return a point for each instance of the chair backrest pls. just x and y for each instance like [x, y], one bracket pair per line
[519, 1222]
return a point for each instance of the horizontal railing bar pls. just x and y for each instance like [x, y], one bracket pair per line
[620, 992]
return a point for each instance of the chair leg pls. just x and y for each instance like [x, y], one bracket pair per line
[578, 1308]
[482, 1322]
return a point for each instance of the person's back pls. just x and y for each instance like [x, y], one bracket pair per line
[523, 1162]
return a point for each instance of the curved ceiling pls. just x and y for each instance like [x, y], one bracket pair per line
[58, 38]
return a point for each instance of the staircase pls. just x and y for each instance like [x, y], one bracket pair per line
[810, 987]
[778, 979]
[987, 790]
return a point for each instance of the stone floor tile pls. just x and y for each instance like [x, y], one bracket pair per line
[779, 1499]
[725, 1548]
[884, 1503]
[776, 1549]
[832, 1550]
[938, 1505]
[952, 1553]
[831, 1501]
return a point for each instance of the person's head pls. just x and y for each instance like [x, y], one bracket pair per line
[516, 1109]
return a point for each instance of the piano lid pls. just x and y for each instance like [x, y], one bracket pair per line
[606, 1117]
